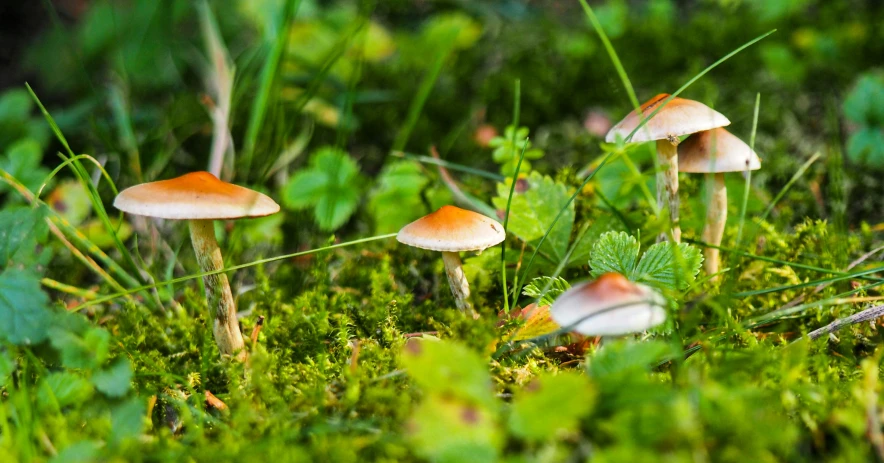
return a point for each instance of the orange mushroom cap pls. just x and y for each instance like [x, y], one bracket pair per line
[714, 151]
[609, 305]
[679, 117]
[194, 196]
[452, 229]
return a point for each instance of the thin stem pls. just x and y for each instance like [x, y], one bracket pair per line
[667, 185]
[218, 295]
[460, 287]
[716, 217]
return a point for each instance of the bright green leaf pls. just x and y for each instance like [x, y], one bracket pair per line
[330, 184]
[536, 202]
[24, 308]
[396, 200]
[63, 389]
[614, 252]
[535, 288]
[86, 351]
[21, 229]
[115, 380]
[550, 405]
[22, 160]
[445, 429]
[128, 419]
[443, 367]
[659, 266]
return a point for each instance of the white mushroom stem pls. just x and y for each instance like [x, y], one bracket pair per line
[225, 326]
[667, 183]
[716, 217]
[460, 288]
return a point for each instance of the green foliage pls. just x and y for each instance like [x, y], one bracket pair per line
[330, 185]
[24, 307]
[22, 229]
[663, 265]
[22, 160]
[114, 380]
[446, 368]
[396, 200]
[557, 286]
[551, 405]
[864, 106]
[536, 202]
[508, 148]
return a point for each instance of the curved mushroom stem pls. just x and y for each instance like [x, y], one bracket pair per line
[667, 184]
[460, 288]
[716, 217]
[225, 325]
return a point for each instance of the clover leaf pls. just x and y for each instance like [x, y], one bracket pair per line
[329, 185]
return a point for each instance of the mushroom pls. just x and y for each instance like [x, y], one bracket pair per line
[200, 198]
[679, 117]
[452, 230]
[611, 305]
[715, 152]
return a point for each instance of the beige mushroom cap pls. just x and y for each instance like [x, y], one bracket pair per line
[608, 306]
[714, 151]
[679, 117]
[452, 229]
[194, 196]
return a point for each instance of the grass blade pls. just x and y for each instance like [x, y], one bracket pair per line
[517, 100]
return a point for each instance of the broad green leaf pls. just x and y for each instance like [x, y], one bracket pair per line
[115, 380]
[864, 104]
[128, 419]
[446, 429]
[659, 266]
[443, 367]
[82, 351]
[330, 184]
[583, 248]
[85, 451]
[21, 229]
[625, 357]
[396, 200]
[867, 146]
[614, 252]
[24, 308]
[551, 405]
[22, 161]
[464, 30]
[536, 202]
[63, 389]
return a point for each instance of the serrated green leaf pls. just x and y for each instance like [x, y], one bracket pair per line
[127, 419]
[24, 308]
[446, 429]
[614, 252]
[63, 389]
[550, 405]
[557, 286]
[534, 207]
[21, 229]
[22, 160]
[329, 185]
[659, 266]
[443, 367]
[115, 380]
[83, 351]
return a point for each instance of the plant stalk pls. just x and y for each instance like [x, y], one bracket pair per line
[218, 295]
[716, 217]
[457, 280]
[667, 184]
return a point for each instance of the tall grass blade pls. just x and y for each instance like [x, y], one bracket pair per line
[517, 100]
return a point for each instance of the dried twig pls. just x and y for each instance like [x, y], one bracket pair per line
[859, 317]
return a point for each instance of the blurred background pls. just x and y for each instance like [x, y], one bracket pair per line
[153, 88]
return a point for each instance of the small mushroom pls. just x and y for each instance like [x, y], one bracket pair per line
[200, 198]
[610, 305]
[714, 152]
[679, 117]
[452, 230]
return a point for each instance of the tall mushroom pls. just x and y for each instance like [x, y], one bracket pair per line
[679, 117]
[610, 305]
[200, 198]
[714, 152]
[452, 230]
